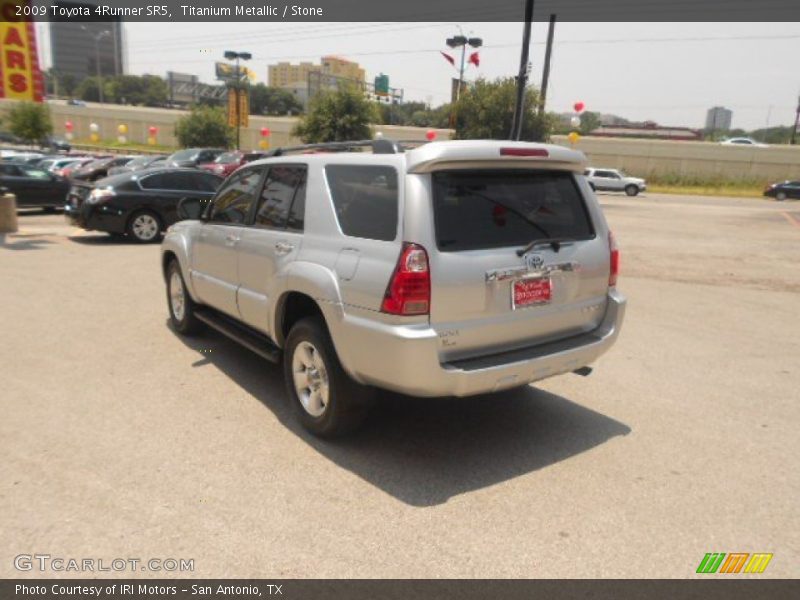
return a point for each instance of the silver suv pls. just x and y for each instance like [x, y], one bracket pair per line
[450, 269]
[614, 180]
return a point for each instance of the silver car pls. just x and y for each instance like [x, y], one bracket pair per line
[451, 269]
[614, 180]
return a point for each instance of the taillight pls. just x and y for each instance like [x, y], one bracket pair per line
[524, 152]
[409, 289]
[614, 271]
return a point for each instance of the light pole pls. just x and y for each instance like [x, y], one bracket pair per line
[97, 39]
[462, 41]
[231, 55]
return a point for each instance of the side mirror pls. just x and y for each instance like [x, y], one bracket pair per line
[191, 208]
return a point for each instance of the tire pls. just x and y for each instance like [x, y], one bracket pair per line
[327, 401]
[631, 190]
[144, 227]
[780, 196]
[180, 304]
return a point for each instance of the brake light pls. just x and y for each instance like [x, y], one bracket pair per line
[409, 289]
[524, 152]
[614, 271]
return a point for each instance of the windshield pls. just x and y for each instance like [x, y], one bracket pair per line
[140, 161]
[189, 154]
[35, 173]
[493, 209]
[228, 158]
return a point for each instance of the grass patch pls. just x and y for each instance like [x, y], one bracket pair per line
[122, 148]
[700, 185]
[702, 190]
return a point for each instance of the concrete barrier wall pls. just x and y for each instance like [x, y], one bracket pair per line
[701, 159]
[138, 119]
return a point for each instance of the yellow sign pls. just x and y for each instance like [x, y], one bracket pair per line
[244, 108]
[20, 77]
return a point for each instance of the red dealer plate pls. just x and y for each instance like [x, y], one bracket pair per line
[527, 292]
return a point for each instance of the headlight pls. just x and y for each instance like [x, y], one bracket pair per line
[100, 196]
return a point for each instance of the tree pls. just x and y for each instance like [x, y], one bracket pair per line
[30, 121]
[88, 90]
[589, 122]
[337, 116]
[67, 84]
[486, 110]
[267, 100]
[204, 126]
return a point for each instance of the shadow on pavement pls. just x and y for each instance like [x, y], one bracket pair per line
[22, 242]
[425, 451]
[102, 239]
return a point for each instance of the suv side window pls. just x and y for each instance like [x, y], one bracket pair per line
[365, 200]
[280, 192]
[235, 198]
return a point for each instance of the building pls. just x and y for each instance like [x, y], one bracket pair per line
[648, 130]
[718, 118]
[76, 47]
[341, 67]
[285, 74]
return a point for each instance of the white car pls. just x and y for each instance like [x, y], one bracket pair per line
[614, 180]
[743, 141]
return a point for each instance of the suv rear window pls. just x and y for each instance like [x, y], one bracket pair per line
[365, 200]
[474, 210]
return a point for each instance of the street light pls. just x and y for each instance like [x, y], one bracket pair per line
[237, 56]
[462, 41]
[97, 38]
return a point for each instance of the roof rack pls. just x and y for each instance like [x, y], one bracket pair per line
[378, 146]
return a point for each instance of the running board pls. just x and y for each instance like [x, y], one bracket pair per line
[244, 335]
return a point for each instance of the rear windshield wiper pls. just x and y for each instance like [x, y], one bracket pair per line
[554, 243]
[463, 192]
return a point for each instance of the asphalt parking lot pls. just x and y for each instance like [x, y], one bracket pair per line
[121, 439]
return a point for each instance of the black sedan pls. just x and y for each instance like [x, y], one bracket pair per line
[33, 186]
[97, 169]
[141, 204]
[782, 191]
[194, 157]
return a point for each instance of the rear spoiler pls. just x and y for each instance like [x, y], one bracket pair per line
[493, 155]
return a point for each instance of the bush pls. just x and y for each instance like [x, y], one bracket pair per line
[340, 116]
[204, 126]
[30, 121]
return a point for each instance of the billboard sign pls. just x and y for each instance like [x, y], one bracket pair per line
[20, 77]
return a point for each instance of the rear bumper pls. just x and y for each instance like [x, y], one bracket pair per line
[405, 358]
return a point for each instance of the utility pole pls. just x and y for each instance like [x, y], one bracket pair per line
[796, 124]
[546, 72]
[522, 78]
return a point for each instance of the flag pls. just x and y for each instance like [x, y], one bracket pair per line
[475, 59]
[448, 58]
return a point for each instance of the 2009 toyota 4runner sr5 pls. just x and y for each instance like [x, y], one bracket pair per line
[453, 268]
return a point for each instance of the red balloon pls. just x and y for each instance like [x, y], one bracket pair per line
[430, 135]
[265, 132]
[68, 126]
[579, 106]
[152, 130]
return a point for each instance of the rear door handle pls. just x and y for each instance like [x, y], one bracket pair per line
[231, 239]
[283, 248]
